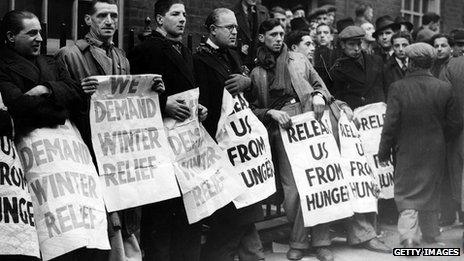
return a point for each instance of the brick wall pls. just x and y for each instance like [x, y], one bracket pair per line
[452, 15]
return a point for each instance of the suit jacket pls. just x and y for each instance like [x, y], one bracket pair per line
[245, 35]
[357, 84]
[157, 55]
[392, 73]
[211, 72]
[18, 75]
[422, 114]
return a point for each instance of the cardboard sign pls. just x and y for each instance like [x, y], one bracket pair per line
[130, 144]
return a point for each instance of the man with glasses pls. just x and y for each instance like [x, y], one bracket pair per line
[218, 68]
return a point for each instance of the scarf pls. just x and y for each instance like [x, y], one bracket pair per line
[279, 76]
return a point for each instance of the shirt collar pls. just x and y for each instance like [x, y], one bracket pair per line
[95, 42]
[400, 63]
[213, 45]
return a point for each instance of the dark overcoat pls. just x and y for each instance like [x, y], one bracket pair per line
[211, 72]
[454, 73]
[392, 73]
[422, 114]
[358, 82]
[18, 75]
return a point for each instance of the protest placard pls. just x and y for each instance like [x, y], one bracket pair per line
[17, 225]
[245, 140]
[362, 185]
[317, 169]
[202, 168]
[133, 156]
[69, 211]
[371, 120]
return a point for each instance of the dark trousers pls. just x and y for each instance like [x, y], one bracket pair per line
[166, 234]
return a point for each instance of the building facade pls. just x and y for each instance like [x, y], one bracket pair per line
[65, 18]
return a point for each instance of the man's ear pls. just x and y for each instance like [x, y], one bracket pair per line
[88, 20]
[342, 44]
[159, 19]
[10, 37]
[261, 38]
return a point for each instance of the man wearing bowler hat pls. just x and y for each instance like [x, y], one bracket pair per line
[458, 46]
[357, 76]
[385, 28]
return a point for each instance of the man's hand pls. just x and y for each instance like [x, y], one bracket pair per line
[202, 112]
[281, 117]
[38, 90]
[348, 112]
[158, 84]
[318, 105]
[237, 83]
[89, 85]
[177, 109]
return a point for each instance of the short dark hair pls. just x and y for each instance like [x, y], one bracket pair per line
[13, 22]
[92, 8]
[427, 18]
[361, 9]
[213, 17]
[295, 37]
[277, 9]
[401, 34]
[322, 24]
[268, 25]
[448, 37]
[162, 6]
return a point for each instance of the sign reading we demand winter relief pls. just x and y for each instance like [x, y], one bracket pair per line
[317, 169]
[17, 226]
[371, 120]
[130, 144]
[66, 195]
[202, 169]
[245, 140]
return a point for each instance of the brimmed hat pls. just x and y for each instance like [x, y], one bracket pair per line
[401, 20]
[299, 23]
[383, 23]
[458, 36]
[351, 32]
[343, 23]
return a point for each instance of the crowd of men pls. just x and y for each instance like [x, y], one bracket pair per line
[286, 62]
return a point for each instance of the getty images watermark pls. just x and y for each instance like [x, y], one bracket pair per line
[427, 251]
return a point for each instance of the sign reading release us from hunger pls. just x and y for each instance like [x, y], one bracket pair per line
[317, 170]
[66, 194]
[130, 144]
[246, 142]
[371, 119]
[202, 169]
[362, 185]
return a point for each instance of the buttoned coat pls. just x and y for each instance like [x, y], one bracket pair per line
[18, 75]
[392, 73]
[358, 85]
[422, 114]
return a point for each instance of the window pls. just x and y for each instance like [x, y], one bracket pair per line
[413, 10]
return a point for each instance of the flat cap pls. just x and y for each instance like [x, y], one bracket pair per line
[351, 32]
[420, 51]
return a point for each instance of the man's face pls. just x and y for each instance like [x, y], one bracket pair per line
[330, 18]
[443, 48]
[225, 30]
[273, 39]
[299, 13]
[323, 35]
[27, 41]
[321, 19]
[289, 15]
[282, 19]
[369, 14]
[104, 21]
[398, 47]
[352, 47]
[306, 47]
[435, 26]
[173, 22]
[384, 38]
[369, 29]
[459, 47]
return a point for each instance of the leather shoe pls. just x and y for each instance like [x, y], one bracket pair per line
[408, 243]
[295, 254]
[324, 254]
[377, 246]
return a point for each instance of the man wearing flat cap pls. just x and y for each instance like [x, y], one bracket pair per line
[422, 115]
[357, 76]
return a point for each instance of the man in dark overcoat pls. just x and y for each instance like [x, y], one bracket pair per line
[165, 232]
[422, 114]
[250, 14]
[218, 68]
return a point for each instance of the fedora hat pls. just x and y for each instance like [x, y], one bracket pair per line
[383, 23]
[401, 20]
